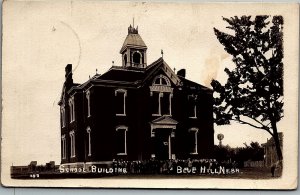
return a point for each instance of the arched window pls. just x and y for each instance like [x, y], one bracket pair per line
[120, 95]
[88, 130]
[162, 95]
[136, 58]
[192, 106]
[72, 109]
[121, 140]
[88, 103]
[161, 80]
[63, 146]
[63, 116]
[193, 134]
[125, 60]
[72, 142]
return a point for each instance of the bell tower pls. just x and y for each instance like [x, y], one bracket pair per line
[134, 50]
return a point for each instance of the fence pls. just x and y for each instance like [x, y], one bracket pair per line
[254, 164]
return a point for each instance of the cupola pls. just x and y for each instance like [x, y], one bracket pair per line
[134, 50]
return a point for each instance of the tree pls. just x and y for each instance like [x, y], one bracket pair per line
[253, 93]
[223, 153]
[253, 152]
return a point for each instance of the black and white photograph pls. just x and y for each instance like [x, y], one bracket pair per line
[150, 95]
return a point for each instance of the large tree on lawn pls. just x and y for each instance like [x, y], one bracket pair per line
[253, 93]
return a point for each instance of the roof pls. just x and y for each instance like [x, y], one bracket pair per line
[137, 77]
[133, 40]
[194, 85]
[122, 74]
[130, 74]
[165, 120]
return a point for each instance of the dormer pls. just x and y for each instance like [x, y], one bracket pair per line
[134, 50]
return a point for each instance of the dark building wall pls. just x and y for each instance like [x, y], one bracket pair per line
[78, 126]
[64, 103]
[104, 121]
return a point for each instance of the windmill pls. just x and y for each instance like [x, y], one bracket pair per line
[220, 137]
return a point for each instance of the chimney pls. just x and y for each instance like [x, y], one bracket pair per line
[68, 75]
[68, 70]
[181, 73]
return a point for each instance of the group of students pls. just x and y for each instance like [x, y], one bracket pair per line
[153, 166]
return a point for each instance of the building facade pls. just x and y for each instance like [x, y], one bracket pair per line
[135, 112]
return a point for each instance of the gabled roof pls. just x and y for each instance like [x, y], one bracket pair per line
[160, 64]
[164, 120]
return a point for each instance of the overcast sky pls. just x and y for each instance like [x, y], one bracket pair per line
[41, 38]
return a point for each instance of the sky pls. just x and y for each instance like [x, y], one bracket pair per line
[41, 38]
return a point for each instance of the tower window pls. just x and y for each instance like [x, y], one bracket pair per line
[136, 58]
[125, 60]
[120, 95]
[121, 140]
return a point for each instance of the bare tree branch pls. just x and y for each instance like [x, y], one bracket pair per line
[257, 127]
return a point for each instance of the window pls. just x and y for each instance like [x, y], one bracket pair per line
[72, 142]
[88, 103]
[161, 80]
[72, 109]
[63, 116]
[194, 140]
[161, 103]
[166, 104]
[155, 103]
[192, 106]
[125, 60]
[170, 104]
[121, 140]
[88, 130]
[120, 95]
[136, 58]
[162, 94]
[64, 146]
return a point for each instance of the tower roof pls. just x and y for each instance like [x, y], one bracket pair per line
[133, 40]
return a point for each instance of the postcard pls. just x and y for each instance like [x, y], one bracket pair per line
[150, 95]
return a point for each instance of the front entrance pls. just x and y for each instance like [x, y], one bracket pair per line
[162, 144]
[162, 134]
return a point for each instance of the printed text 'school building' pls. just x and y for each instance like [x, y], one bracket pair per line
[135, 112]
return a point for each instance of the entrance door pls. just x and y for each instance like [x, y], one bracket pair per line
[162, 144]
